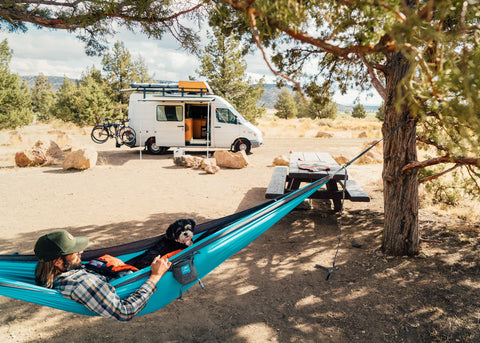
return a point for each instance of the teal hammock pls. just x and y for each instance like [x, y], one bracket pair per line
[214, 242]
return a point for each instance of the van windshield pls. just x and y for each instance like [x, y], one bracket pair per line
[226, 113]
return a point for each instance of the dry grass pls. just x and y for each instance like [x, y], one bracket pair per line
[342, 127]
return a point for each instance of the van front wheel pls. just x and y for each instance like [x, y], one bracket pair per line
[242, 145]
[154, 149]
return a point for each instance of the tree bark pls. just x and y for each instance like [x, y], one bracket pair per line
[400, 236]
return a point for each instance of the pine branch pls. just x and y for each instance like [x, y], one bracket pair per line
[253, 23]
[430, 142]
[375, 81]
[439, 160]
[430, 178]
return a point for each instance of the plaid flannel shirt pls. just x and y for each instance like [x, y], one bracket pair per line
[94, 291]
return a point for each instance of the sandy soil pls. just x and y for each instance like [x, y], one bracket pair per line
[269, 292]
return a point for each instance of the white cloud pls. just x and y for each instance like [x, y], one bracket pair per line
[60, 53]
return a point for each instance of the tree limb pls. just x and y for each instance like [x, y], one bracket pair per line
[253, 23]
[430, 178]
[375, 81]
[439, 160]
[430, 142]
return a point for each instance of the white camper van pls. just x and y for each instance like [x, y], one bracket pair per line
[187, 114]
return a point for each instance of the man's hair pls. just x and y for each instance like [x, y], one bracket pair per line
[45, 273]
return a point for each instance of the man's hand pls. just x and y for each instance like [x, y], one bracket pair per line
[159, 268]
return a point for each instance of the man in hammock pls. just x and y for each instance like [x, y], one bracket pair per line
[60, 267]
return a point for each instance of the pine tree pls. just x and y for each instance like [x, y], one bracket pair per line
[15, 99]
[359, 111]
[224, 67]
[43, 98]
[121, 70]
[86, 103]
[285, 105]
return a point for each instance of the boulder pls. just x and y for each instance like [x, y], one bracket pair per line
[51, 148]
[228, 159]
[64, 141]
[80, 159]
[208, 162]
[30, 157]
[212, 169]
[321, 134]
[281, 161]
[188, 161]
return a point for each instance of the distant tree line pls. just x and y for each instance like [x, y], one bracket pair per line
[97, 94]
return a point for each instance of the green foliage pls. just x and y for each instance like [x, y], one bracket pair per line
[359, 111]
[380, 115]
[93, 21]
[86, 103]
[15, 99]
[122, 70]
[224, 67]
[43, 98]
[285, 105]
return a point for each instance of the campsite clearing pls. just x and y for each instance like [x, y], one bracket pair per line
[271, 290]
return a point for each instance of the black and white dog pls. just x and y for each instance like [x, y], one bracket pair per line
[178, 236]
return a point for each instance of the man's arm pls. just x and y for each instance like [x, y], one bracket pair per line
[100, 297]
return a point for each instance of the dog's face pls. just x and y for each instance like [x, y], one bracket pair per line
[181, 231]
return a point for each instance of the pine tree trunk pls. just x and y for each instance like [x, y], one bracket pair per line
[400, 236]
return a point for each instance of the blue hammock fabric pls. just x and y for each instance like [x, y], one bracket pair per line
[215, 242]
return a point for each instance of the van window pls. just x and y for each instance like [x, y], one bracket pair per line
[169, 113]
[224, 115]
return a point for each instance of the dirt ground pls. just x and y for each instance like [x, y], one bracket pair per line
[271, 291]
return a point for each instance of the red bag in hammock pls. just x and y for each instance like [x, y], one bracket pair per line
[110, 266]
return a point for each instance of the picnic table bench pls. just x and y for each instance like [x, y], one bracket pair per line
[312, 166]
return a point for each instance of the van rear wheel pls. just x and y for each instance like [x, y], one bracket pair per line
[242, 145]
[154, 149]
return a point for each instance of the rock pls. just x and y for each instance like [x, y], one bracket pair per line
[64, 141]
[51, 148]
[281, 161]
[362, 134]
[80, 159]
[212, 169]
[188, 161]
[356, 243]
[208, 162]
[228, 159]
[30, 158]
[321, 134]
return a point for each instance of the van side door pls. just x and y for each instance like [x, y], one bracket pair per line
[169, 124]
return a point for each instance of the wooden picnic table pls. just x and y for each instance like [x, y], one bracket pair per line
[312, 166]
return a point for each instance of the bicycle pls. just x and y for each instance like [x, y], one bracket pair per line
[122, 133]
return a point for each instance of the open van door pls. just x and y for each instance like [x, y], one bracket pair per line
[169, 124]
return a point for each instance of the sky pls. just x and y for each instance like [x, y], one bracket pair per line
[59, 53]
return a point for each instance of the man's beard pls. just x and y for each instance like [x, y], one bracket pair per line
[71, 265]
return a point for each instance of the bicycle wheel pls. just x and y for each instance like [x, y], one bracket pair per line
[128, 136]
[99, 134]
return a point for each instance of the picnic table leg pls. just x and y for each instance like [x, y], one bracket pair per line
[293, 184]
[337, 203]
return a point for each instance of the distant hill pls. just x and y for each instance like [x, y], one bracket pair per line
[271, 92]
[55, 81]
[269, 98]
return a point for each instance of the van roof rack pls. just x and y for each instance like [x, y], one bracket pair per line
[180, 88]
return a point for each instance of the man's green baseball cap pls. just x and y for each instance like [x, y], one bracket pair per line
[58, 243]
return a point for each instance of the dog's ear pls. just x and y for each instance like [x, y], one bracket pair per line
[171, 231]
[192, 223]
